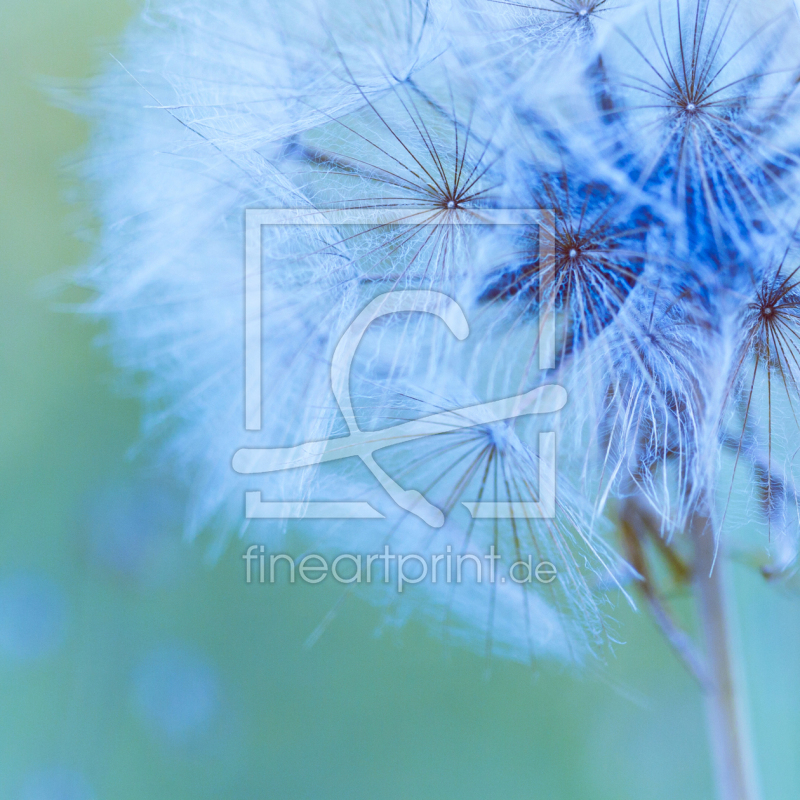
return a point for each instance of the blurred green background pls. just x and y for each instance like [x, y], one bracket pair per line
[132, 670]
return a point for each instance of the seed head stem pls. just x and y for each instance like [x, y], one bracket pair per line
[731, 748]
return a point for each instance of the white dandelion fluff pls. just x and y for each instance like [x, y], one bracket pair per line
[650, 151]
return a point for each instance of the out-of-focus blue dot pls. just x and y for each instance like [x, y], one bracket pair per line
[32, 616]
[176, 694]
[134, 529]
[56, 784]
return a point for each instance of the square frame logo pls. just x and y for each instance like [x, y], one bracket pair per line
[544, 399]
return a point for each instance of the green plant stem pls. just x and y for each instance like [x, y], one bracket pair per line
[734, 765]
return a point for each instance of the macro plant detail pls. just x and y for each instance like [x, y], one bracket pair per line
[662, 139]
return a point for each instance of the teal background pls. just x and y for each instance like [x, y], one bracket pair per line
[134, 626]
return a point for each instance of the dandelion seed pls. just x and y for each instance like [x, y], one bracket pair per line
[714, 104]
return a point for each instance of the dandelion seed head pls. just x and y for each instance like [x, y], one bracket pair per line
[662, 143]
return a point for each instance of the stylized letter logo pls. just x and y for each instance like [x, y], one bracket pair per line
[363, 444]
